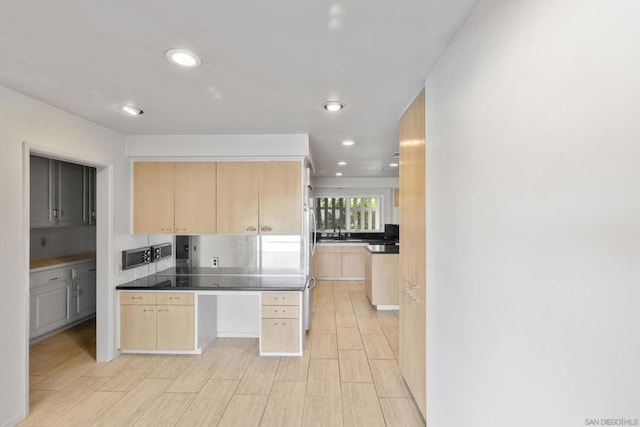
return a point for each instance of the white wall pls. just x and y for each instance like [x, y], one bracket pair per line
[218, 146]
[63, 135]
[533, 216]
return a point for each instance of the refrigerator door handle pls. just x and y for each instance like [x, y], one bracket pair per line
[315, 232]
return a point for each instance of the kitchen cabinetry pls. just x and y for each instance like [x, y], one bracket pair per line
[280, 324]
[92, 195]
[238, 197]
[195, 197]
[153, 197]
[335, 261]
[61, 296]
[259, 197]
[412, 251]
[381, 280]
[59, 193]
[174, 197]
[156, 321]
[280, 196]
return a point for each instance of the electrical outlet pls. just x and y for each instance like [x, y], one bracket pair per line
[43, 242]
[214, 262]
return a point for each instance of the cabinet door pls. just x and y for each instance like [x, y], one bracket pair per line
[175, 327]
[85, 291]
[279, 335]
[138, 327]
[328, 264]
[367, 277]
[280, 197]
[353, 265]
[71, 194]
[40, 192]
[51, 307]
[237, 204]
[412, 196]
[153, 197]
[91, 195]
[195, 198]
[413, 346]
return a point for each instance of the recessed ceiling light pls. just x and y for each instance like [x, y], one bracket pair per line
[130, 109]
[334, 106]
[393, 165]
[338, 173]
[348, 143]
[183, 57]
[342, 163]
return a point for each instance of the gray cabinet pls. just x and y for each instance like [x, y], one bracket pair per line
[41, 177]
[71, 195]
[62, 194]
[49, 308]
[61, 296]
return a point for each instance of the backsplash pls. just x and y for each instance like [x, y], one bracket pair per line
[248, 251]
[60, 241]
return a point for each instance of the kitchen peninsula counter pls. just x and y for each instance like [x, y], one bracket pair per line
[182, 310]
[201, 279]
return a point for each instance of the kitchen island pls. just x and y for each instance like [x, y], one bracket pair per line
[176, 310]
[382, 276]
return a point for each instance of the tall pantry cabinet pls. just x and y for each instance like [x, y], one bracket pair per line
[413, 250]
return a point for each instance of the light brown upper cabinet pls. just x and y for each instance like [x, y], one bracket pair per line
[153, 197]
[280, 192]
[195, 197]
[259, 197]
[174, 197]
[238, 197]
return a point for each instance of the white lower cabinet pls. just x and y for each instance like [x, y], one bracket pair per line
[61, 296]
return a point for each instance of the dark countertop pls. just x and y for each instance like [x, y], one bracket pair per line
[383, 249]
[200, 279]
[230, 271]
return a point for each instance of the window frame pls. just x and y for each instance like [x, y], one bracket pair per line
[362, 193]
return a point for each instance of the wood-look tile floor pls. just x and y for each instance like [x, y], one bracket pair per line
[349, 376]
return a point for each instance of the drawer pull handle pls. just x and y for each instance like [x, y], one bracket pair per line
[145, 310]
[279, 323]
[136, 297]
[93, 269]
[53, 278]
[174, 298]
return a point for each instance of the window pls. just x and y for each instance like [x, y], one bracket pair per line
[348, 213]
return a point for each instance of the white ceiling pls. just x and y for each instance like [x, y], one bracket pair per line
[267, 66]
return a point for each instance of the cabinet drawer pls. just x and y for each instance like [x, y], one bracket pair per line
[54, 275]
[280, 312]
[279, 299]
[279, 336]
[171, 298]
[137, 298]
[84, 270]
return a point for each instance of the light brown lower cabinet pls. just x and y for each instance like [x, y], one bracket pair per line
[280, 323]
[339, 261]
[156, 321]
[413, 345]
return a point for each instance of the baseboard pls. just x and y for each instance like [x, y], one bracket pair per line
[238, 335]
[13, 421]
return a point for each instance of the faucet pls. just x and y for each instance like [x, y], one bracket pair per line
[339, 230]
